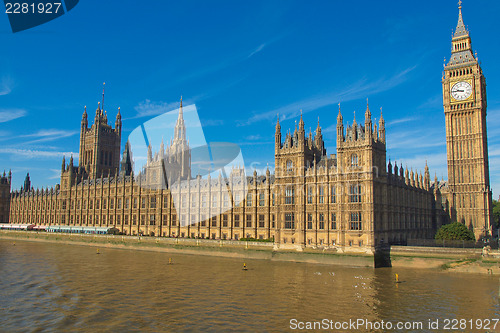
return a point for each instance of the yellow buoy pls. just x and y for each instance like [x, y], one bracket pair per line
[397, 278]
[245, 267]
[170, 261]
[97, 251]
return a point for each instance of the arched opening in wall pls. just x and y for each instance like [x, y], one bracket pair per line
[354, 160]
[289, 166]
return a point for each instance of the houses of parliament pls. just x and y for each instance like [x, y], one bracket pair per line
[354, 200]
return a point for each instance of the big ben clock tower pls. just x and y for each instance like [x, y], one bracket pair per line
[464, 101]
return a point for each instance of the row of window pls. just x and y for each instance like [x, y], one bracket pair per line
[354, 196]
[354, 163]
[354, 221]
[461, 71]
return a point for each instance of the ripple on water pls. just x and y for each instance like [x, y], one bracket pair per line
[55, 287]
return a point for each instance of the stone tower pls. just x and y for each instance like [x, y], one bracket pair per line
[361, 150]
[5, 187]
[100, 144]
[293, 158]
[298, 151]
[361, 147]
[464, 101]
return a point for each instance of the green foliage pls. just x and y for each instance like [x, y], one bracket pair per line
[454, 231]
[496, 212]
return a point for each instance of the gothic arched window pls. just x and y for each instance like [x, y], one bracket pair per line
[289, 195]
[289, 165]
[354, 160]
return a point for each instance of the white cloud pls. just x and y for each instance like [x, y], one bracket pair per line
[401, 120]
[436, 162]
[5, 86]
[11, 114]
[212, 122]
[435, 102]
[48, 132]
[255, 143]
[45, 135]
[494, 150]
[253, 137]
[355, 91]
[257, 50]
[416, 138]
[56, 174]
[148, 108]
[29, 153]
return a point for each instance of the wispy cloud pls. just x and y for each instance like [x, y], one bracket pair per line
[493, 121]
[425, 138]
[212, 122]
[5, 86]
[56, 174]
[432, 103]
[495, 175]
[29, 153]
[253, 137]
[400, 121]
[436, 162]
[256, 143]
[226, 62]
[357, 90]
[148, 108]
[494, 150]
[257, 50]
[11, 114]
[47, 132]
[45, 135]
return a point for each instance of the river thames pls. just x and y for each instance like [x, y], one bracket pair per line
[55, 287]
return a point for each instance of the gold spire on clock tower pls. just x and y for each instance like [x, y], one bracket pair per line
[464, 101]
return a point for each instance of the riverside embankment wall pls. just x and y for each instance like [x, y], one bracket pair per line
[446, 259]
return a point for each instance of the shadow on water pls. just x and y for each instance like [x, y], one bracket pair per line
[382, 256]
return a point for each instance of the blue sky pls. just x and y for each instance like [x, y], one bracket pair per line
[241, 63]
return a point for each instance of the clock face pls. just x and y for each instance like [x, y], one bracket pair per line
[461, 90]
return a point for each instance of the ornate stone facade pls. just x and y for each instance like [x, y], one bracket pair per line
[353, 200]
[464, 98]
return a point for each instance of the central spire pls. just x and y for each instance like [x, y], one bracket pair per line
[180, 128]
[460, 31]
[301, 122]
[461, 49]
[368, 114]
[339, 116]
[103, 84]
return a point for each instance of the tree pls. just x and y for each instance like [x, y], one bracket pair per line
[496, 212]
[454, 231]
